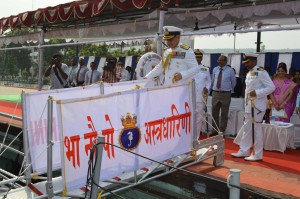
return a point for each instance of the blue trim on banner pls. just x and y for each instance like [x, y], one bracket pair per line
[271, 60]
[77, 59]
[242, 67]
[133, 65]
[97, 61]
[86, 60]
[296, 60]
[122, 59]
[134, 62]
[213, 61]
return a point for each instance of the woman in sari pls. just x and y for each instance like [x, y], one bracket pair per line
[285, 94]
[297, 80]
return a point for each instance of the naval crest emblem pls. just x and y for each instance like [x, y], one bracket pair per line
[130, 136]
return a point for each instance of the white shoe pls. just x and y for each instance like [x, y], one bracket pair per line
[253, 158]
[239, 154]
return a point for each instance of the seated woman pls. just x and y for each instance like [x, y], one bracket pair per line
[285, 94]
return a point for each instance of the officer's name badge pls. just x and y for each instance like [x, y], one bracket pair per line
[178, 55]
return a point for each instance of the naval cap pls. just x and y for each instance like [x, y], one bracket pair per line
[198, 53]
[249, 56]
[171, 31]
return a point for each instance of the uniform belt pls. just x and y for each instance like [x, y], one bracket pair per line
[222, 91]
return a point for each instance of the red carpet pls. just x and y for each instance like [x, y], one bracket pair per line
[289, 161]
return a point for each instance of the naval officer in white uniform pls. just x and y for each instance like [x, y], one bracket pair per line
[258, 86]
[203, 83]
[178, 63]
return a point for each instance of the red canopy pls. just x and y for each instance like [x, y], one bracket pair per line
[71, 11]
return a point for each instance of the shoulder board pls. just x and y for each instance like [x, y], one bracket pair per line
[260, 69]
[205, 66]
[165, 48]
[185, 47]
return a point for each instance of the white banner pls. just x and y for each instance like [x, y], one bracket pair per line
[155, 124]
[36, 118]
[126, 85]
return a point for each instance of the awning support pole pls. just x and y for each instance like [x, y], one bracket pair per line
[41, 59]
[194, 116]
[162, 13]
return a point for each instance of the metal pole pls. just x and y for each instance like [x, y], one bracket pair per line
[96, 173]
[41, 60]
[258, 41]
[234, 179]
[76, 50]
[206, 113]
[102, 88]
[49, 185]
[25, 140]
[253, 121]
[162, 13]
[234, 37]
[194, 116]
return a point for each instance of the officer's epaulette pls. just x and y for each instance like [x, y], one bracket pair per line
[206, 66]
[165, 48]
[260, 68]
[185, 47]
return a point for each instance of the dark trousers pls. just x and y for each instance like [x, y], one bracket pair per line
[220, 102]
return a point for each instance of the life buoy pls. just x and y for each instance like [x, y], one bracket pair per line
[146, 63]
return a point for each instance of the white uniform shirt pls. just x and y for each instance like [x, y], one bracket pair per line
[125, 75]
[183, 61]
[55, 83]
[81, 76]
[72, 75]
[202, 79]
[88, 75]
[259, 80]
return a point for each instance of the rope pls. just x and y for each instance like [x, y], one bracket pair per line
[91, 170]
[213, 120]
[162, 163]
[25, 155]
[11, 142]
[180, 169]
[21, 173]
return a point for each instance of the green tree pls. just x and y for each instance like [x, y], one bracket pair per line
[16, 60]
[94, 50]
[133, 52]
[50, 51]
